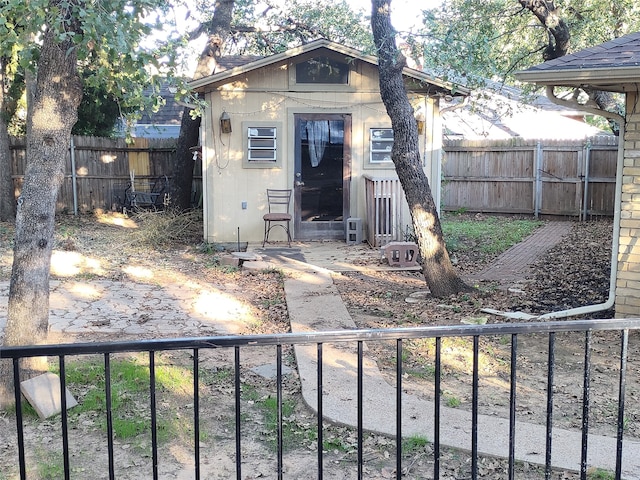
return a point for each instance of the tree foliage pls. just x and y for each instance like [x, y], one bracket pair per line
[116, 60]
[474, 39]
[264, 28]
[98, 113]
[301, 21]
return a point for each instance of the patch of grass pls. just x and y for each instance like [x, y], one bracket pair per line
[270, 409]
[490, 235]
[227, 269]
[414, 444]
[249, 393]
[129, 394]
[274, 271]
[218, 376]
[66, 231]
[50, 465]
[27, 410]
[425, 372]
[600, 474]
[270, 302]
[293, 433]
[452, 401]
[335, 444]
[411, 317]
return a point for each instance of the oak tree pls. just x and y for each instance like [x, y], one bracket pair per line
[475, 40]
[438, 271]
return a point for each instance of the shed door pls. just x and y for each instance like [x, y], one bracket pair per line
[322, 176]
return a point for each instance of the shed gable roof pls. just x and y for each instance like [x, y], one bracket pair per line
[234, 66]
[612, 66]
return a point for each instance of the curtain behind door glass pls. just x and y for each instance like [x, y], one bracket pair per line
[318, 137]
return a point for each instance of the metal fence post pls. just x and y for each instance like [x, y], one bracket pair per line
[587, 166]
[538, 182]
[74, 176]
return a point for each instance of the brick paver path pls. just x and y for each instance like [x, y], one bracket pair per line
[514, 264]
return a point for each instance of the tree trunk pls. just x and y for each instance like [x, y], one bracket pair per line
[559, 40]
[607, 102]
[7, 195]
[56, 99]
[182, 177]
[557, 29]
[437, 269]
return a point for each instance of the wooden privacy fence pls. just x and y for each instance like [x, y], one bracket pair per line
[98, 171]
[540, 177]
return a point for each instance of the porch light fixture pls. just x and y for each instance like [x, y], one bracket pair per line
[420, 120]
[225, 123]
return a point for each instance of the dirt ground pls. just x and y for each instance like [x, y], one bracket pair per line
[574, 273]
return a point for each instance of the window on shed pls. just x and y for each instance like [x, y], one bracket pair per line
[261, 144]
[380, 144]
[322, 70]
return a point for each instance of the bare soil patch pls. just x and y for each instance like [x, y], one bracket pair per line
[114, 247]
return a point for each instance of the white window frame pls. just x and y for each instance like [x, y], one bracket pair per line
[268, 141]
[250, 160]
[386, 160]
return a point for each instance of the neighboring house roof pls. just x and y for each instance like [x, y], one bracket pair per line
[501, 112]
[612, 66]
[165, 123]
[224, 76]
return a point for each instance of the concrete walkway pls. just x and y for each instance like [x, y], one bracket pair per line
[314, 304]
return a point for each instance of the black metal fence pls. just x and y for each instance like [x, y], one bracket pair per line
[237, 343]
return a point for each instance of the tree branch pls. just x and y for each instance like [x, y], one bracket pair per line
[549, 16]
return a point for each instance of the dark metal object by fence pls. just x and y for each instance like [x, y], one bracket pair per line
[624, 349]
[551, 363]
[512, 406]
[358, 336]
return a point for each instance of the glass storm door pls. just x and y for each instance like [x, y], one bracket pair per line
[322, 176]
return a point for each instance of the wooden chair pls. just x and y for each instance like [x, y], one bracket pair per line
[278, 216]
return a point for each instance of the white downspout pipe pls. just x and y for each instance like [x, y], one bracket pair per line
[615, 244]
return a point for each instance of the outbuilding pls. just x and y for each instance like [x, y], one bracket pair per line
[311, 120]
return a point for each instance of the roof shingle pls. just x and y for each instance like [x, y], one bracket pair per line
[620, 52]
